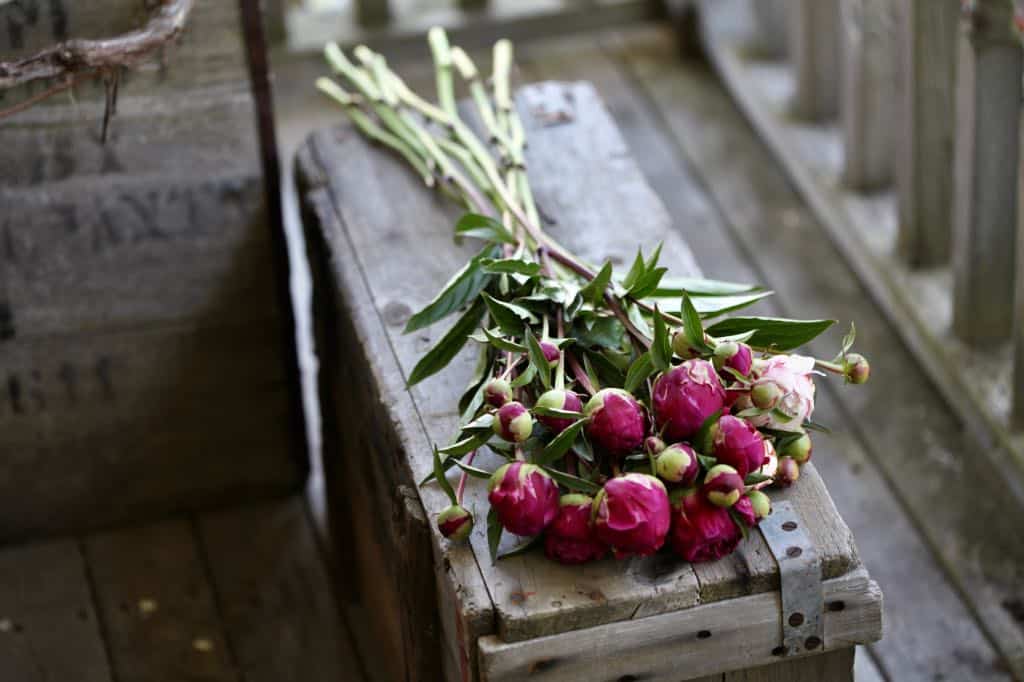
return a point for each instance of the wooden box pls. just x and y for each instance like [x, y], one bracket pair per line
[381, 246]
[146, 357]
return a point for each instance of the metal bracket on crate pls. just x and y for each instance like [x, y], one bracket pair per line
[803, 628]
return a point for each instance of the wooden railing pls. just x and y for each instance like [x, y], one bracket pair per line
[928, 97]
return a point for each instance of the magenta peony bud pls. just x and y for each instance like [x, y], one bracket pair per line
[513, 422]
[738, 444]
[701, 531]
[678, 463]
[685, 396]
[799, 449]
[631, 514]
[681, 346]
[760, 503]
[551, 352]
[744, 510]
[524, 497]
[722, 485]
[497, 392]
[570, 539]
[558, 399]
[738, 356]
[455, 523]
[617, 421]
[856, 368]
[787, 472]
[765, 395]
[653, 445]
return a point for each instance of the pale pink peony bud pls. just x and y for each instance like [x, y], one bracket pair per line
[791, 377]
[738, 444]
[722, 485]
[455, 523]
[701, 531]
[558, 399]
[799, 449]
[524, 497]
[497, 392]
[513, 422]
[570, 539]
[737, 356]
[678, 463]
[631, 514]
[685, 396]
[760, 503]
[617, 422]
[856, 368]
[787, 472]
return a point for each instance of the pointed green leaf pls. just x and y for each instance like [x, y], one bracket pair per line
[641, 368]
[508, 316]
[772, 332]
[692, 326]
[706, 461]
[702, 441]
[561, 443]
[652, 262]
[493, 533]
[538, 359]
[647, 283]
[494, 337]
[526, 377]
[815, 426]
[573, 482]
[468, 444]
[593, 292]
[553, 412]
[510, 266]
[472, 470]
[674, 287]
[661, 348]
[483, 227]
[438, 357]
[439, 470]
[464, 286]
[713, 306]
[637, 270]
[755, 477]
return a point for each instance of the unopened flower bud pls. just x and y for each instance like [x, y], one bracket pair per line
[631, 514]
[678, 463]
[799, 449]
[524, 497]
[681, 346]
[455, 523]
[617, 421]
[570, 539]
[497, 392]
[722, 486]
[856, 368]
[765, 394]
[737, 356]
[551, 353]
[761, 504]
[787, 472]
[685, 396]
[558, 399]
[737, 443]
[513, 422]
[653, 445]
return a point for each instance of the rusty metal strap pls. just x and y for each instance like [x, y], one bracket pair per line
[800, 580]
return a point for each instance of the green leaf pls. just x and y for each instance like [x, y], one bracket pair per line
[706, 461]
[754, 478]
[573, 482]
[464, 286]
[472, 470]
[602, 331]
[712, 306]
[636, 316]
[661, 348]
[509, 316]
[521, 547]
[554, 412]
[483, 227]
[439, 470]
[525, 378]
[641, 368]
[674, 287]
[481, 424]
[815, 426]
[446, 463]
[583, 450]
[591, 374]
[608, 373]
[593, 293]
[692, 326]
[493, 533]
[850, 337]
[653, 260]
[638, 269]
[494, 337]
[472, 396]
[438, 357]
[647, 283]
[561, 443]
[468, 444]
[510, 266]
[702, 441]
[772, 332]
[538, 359]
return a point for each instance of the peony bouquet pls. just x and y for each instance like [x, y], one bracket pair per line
[624, 426]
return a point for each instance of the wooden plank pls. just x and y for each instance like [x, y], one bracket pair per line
[48, 627]
[985, 198]
[777, 226]
[927, 53]
[835, 666]
[814, 52]
[772, 18]
[1016, 419]
[158, 608]
[739, 633]
[273, 591]
[869, 92]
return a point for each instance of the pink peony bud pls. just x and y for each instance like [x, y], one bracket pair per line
[737, 356]
[513, 422]
[722, 485]
[524, 497]
[685, 396]
[678, 463]
[799, 449]
[738, 444]
[455, 523]
[631, 514]
[856, 368]
[653, 445]
[744, 510]
[787, 472]
[701, 531]
[497, 392]
[551, 352]
[791, 377]
[558, 399]
[617, 421]
[760, 503]
[570, 539]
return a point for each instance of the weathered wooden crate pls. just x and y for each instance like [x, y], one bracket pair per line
[145, 327]
[380, 247]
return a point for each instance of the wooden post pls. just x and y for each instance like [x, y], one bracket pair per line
[772, 27]
[1017, 409]
[373, 12]
[814, 51]
[927, 40]
[985, 197]
[869, 89]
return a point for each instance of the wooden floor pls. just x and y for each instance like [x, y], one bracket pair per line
[244, 594]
